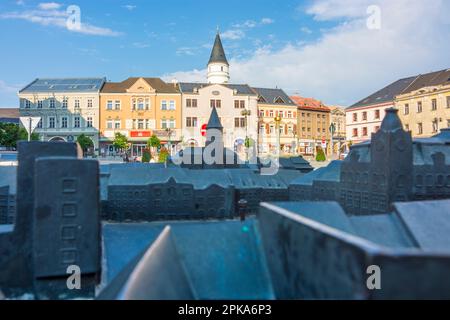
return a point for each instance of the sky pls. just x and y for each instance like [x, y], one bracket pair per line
[337, 51]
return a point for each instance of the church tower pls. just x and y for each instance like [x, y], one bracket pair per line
[218, 67]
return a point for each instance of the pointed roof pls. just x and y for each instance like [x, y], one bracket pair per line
[217, 53]
[391, 121]
[214, 121]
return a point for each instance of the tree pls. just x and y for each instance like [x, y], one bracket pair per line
[85, 142]
[120, 141]
[163, 155]
[320, 157]
[154, 142]
[10, 133]
[146, 156]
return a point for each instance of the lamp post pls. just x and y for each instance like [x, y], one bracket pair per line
[246, 113]
[296, 143]
[169, 133]
[277, 126]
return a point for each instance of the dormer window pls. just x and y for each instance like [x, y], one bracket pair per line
[279, 100]
[261, 99]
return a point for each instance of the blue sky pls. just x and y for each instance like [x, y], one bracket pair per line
[315, 48]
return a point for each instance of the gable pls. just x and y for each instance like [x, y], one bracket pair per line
[141, 86]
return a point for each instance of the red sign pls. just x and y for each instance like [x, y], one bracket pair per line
[140, 134]
[203, 130]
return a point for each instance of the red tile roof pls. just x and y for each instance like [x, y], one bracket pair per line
[309, 104]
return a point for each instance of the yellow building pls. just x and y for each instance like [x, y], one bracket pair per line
[424, 107]
[139, 108]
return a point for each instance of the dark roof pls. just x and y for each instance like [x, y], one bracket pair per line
[405, 85]
[214, 121]
[188, 87]
[270, 96]
[217, 53]
[430, 79]
[65, 85]
[155, 83]
[387, 94]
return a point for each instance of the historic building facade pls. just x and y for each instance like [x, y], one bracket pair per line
[236, 105]
[424, 107]
[365, 117]
[313, 122]
[67, 107]
[337, 122]
[276, 110]
[139, 108]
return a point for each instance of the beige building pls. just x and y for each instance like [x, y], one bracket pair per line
[313, 125]
[424, 107]
[67, 107]
[337, 121]
[139, 108]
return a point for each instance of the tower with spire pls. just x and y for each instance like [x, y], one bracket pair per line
[218, 67]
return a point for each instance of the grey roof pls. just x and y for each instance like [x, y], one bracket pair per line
[214, 121]
[65, 85]
[330, 173]
[188, 87]
[217, 53]
[270, 96]
[386, 94]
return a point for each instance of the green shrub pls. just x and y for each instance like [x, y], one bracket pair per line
[320, 156]
[146, 156]
[163, 155]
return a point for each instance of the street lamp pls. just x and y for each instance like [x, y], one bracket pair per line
[246, 113]
[169, 133]
[277, 123]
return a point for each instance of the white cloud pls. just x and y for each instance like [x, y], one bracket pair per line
[130, 7]
[306, 30]
[350, 61]
[267, 21]
[186, 51]
[57, 18]
[49, 6]
[233, 34]
[9, 88]
[188, 76]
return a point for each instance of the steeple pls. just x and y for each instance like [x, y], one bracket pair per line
[218, 67]
[214, 121]
[217, 53]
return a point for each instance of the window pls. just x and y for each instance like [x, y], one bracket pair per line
[76, 122]
[39, 125]
[188, 103]
[406, 110]
[168, 124]
[27, 104]
[194, 103]
[133, 104]
[191, 122]
[51, 122]
[109, 105]
[163, 105]
[261, 113]
[239, 122]
[140, 124]
[364, 131]
[52, 103]
[448, 101]
[89, 103]
[65, 103]
[434, 125]
[364, 116]
[271, 113]
[140, 104]
[419, 128]
[64, 122]
[377, 114]
[289, 114]
[239, 104]
[419, 107]
[117, 124]
[215, 103]
[355, 132]
[40, 104]
[355, 117]
[117, 104]
[172, 105]
[89, 122]
[433, 104]
[147, 104]
[236, 104]
[109, 124]
[77, 104]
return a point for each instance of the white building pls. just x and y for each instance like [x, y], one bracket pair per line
[232, 102]
[67, 107]
[365, 117]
